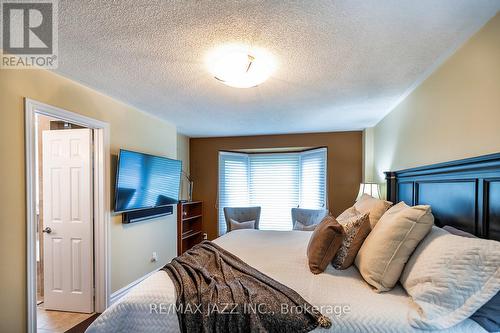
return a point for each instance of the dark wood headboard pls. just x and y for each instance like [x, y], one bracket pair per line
[464, 194]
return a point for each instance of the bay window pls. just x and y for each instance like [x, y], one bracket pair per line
[276, 182]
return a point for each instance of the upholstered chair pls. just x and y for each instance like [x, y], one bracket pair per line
[242, 214]
[307, 217]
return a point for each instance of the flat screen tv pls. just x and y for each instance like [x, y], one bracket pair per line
[146, 181]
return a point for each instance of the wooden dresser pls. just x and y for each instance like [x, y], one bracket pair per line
[189, 225]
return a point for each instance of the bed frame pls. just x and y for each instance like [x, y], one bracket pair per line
[464, 194]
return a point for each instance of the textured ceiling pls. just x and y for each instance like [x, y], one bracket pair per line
[342, 65]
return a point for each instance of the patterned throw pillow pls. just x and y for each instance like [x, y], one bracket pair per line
[303, 227]
[356, 229]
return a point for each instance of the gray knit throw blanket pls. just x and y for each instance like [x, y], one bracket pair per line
[218, 292]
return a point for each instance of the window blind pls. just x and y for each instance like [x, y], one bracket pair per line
[233, 184]
[313, 187]
[276, 182]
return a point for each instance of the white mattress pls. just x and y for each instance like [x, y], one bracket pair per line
[282, 256]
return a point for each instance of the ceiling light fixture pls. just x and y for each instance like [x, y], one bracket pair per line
[240, 66]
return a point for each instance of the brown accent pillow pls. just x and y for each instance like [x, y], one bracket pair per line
[324, 244]
[356, 229]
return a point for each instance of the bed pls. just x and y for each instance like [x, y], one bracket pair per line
[463, 194]
[281, 255]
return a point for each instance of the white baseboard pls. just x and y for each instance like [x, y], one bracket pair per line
[114, 297]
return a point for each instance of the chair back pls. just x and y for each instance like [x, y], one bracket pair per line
[308, 216]
[241, 214]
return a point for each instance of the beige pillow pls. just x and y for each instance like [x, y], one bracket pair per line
[348, 213]
[387, 248]
[235, 225]
[376, 207]
[303, 227]
[356, 228]
[324, 244]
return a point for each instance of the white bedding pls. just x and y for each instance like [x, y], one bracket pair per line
[282, 256]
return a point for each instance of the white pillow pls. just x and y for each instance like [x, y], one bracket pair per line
[449, 278]
[303, 227]
[235, 225]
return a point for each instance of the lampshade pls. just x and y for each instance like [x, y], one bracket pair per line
[372, 189]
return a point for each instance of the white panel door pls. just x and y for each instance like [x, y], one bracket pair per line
[67, 217]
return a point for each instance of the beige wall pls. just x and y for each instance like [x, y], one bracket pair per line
[453, 114]
[183, 155]
[131, 245]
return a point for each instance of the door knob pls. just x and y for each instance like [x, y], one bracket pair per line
[47, 230]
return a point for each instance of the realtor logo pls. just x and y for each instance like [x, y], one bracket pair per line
[29, 34]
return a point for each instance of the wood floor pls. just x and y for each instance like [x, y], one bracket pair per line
[58, 321]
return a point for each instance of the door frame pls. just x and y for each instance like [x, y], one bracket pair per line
[101, 202]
